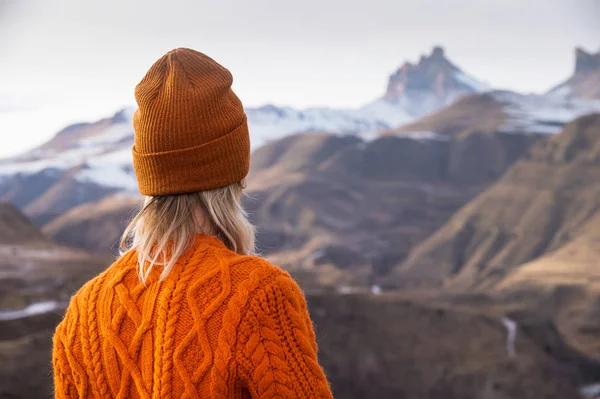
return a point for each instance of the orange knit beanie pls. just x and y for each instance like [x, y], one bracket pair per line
[191, 132]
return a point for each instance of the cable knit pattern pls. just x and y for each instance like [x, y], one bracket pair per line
[219, 326]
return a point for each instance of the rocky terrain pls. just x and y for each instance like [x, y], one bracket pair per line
[405, 345]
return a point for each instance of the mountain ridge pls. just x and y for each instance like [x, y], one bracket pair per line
[93, 159]
[585, 81]
[535, 208]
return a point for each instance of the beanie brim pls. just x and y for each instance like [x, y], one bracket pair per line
[215, 164]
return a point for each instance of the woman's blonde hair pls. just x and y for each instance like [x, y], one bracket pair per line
[166, 225]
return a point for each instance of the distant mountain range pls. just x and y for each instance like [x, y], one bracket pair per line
[413, 91]
[462, 132]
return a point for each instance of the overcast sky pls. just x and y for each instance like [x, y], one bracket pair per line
[64, 61]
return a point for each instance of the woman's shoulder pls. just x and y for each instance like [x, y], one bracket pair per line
[251, 273]
[90, 289]
[256, 269]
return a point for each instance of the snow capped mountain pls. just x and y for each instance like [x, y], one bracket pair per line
[429, 85]
[413, 91]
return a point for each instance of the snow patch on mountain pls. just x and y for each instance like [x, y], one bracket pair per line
[113, 169]
[560, 92]
[48, 160]
[541, 114]
[270, 122]
[424, 136]
[113, 135]
[472, 82]
[384, 110]
[31, 310]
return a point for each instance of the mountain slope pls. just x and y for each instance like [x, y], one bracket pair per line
[478, 112]
[94, 226]
[567, 282]
[502, 112]
[15, 228]
[539, 205]
[585, 82]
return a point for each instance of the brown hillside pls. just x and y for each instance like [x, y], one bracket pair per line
[15, 228]
[479, 151]
[474, 113]
[95, 226]
[22, 190]
[53, 190]
[64, 194]
[566, 282]
[539, 205]
[292, 157]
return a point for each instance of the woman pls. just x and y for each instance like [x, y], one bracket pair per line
[187, 311]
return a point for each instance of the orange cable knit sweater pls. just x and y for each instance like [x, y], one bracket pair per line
[220, 325]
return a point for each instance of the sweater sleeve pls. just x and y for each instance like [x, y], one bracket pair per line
[277, 351]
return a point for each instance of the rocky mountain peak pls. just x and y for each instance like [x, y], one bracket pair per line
[434, 73]
[584, 84]
[586, 62]
[437, 53]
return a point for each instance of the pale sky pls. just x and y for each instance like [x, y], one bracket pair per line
[65, 61]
